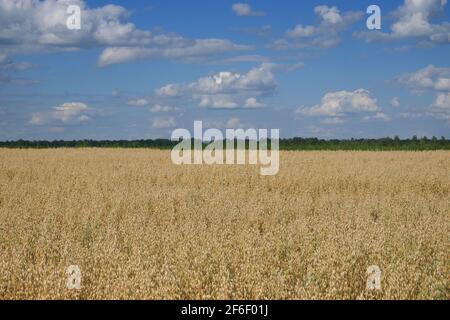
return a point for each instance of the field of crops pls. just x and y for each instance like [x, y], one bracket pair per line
[138, 226]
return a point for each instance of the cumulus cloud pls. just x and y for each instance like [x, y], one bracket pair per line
[163, 108]
[217, 102]
[170, 90]
[395, 102]
[35, 25]
[234, 123]
[225, 90]
[413, 20]
[428, 78]
[29, 26]
[434, 79]
[253, 103]
[68, 112]
[83, 118]
[164, 123]
[324, 35]
[245, 10]
[441, 106]
[377, 116]
[37, 119]
[141, 102]
[337, 104]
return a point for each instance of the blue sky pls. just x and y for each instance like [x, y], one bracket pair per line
[140, 69]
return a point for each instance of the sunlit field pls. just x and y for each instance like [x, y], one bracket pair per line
[139, 226]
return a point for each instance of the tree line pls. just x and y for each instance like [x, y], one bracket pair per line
[297, 143]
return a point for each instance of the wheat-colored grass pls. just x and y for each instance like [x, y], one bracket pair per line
[140, 227]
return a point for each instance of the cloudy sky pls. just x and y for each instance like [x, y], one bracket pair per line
[139, 69]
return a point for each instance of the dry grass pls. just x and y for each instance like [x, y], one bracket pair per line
[140, 227]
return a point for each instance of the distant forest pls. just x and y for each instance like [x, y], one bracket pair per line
[414, 144]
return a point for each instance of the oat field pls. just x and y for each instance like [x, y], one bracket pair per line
[140, 227]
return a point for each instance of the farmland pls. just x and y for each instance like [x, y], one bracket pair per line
[139, 226]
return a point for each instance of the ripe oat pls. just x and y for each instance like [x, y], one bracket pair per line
[140, 227]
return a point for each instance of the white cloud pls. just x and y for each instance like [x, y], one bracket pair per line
[333, 120]
[68, 112]
[37, 119]
[430, 77]
[84, 118]
[413, 19]
[160, 108]
[324, 35]
[225, 90]
[193, 51]
[38, 24]
[441, 107]
[253, 103]
[442, 102]
[378, 116]
[217, 102]
[288, 67]
[138, 102]
[245, 10]
[434, 79]
[164, 123]
[170, 90]
[301, 31]
[329, 15]
[442, 84]
[234, 123]
[395, 102]
[337, 104]
[29, 26]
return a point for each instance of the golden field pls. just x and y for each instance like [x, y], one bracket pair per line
[140, 227]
